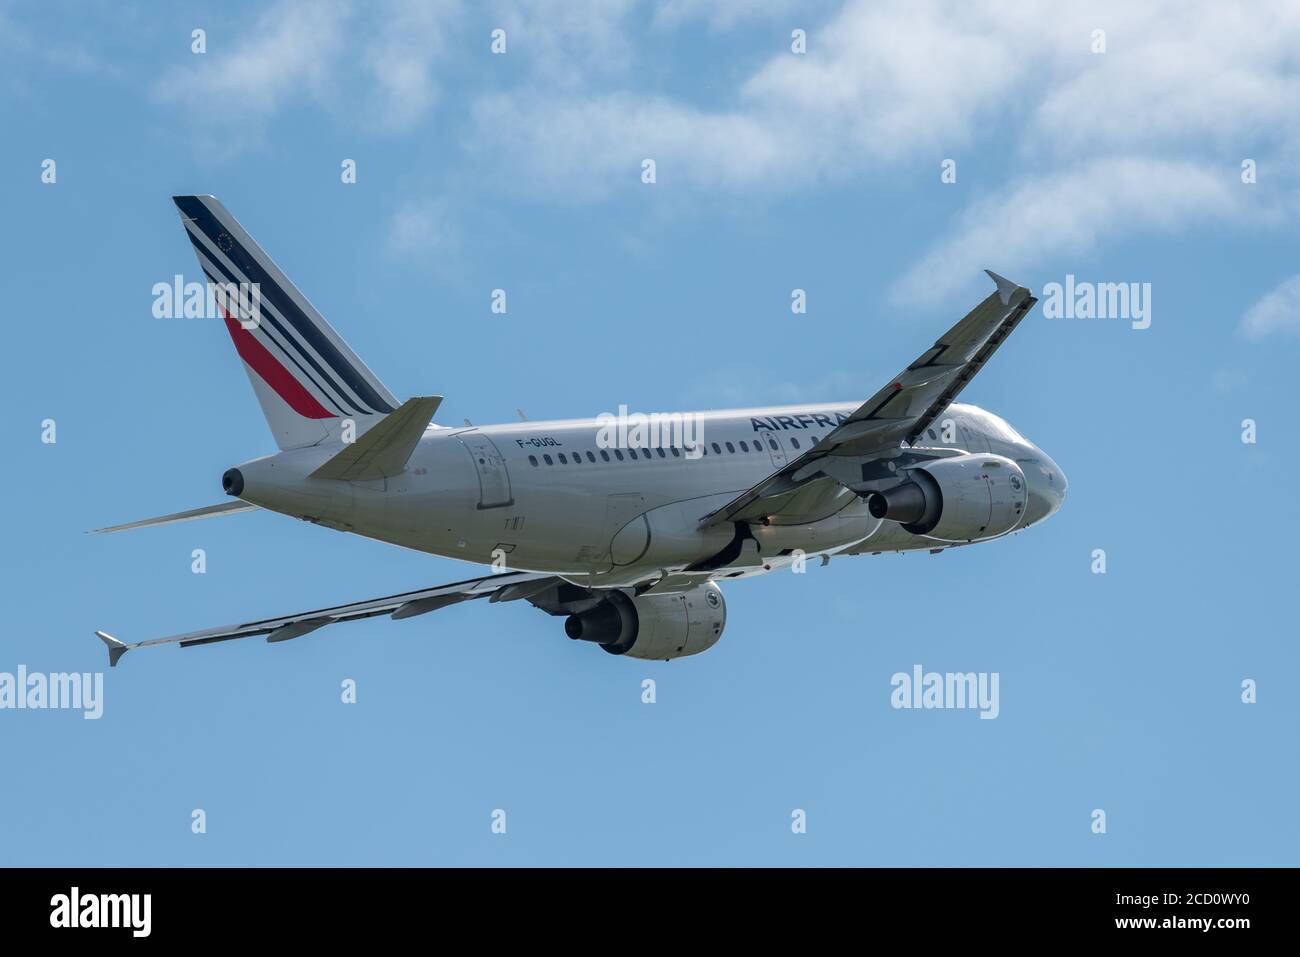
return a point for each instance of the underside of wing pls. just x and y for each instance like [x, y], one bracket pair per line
[508, 586]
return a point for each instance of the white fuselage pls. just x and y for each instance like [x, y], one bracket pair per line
[554, 497]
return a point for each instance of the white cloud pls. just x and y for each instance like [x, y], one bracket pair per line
[286, 52]
[1130, 140]
[1278, 311]
[581, 148]
[725, 14]
[422, 230]
[882, 82]
[298, 51]
[1069, 212]
[1195, 73]
[402, 55]
[1146, 136]
[565, 45]
[73, 51]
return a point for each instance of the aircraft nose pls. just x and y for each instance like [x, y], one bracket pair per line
[1047, 487]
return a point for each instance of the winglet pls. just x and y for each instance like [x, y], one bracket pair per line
[1006, 288]
[115, 648]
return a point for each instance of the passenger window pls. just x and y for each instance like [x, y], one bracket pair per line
[772, 443]
[794, 442]
[744, 446]
[547, 460]
[930, 432]
[563, 460]
[604, 455]
[661, 452]
[590, 457]
[533, 459]
[730, 447]
[677, 453]
[717, 449]
[618, 455]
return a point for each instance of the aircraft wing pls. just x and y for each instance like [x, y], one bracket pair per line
[896, 414]
[507, 586]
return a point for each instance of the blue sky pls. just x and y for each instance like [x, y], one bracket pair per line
[775, 171]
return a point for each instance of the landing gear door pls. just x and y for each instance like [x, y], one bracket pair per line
[493, 479]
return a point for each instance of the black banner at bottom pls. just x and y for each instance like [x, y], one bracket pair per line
[335, 906]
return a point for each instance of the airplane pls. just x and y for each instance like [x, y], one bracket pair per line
[623, 533]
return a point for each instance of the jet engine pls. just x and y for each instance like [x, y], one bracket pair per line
[660, 627]
[964, 498]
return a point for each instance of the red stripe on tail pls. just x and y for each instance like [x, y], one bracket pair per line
[274, 374]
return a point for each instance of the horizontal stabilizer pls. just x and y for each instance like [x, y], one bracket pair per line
[207, 511]
[383, 450]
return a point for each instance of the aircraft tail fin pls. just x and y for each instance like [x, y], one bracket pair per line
[307, 379]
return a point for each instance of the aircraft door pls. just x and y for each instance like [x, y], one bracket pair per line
[775, 448]
[493, 479]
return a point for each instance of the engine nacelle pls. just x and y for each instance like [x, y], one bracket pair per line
[964, 498]
[660, 627]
